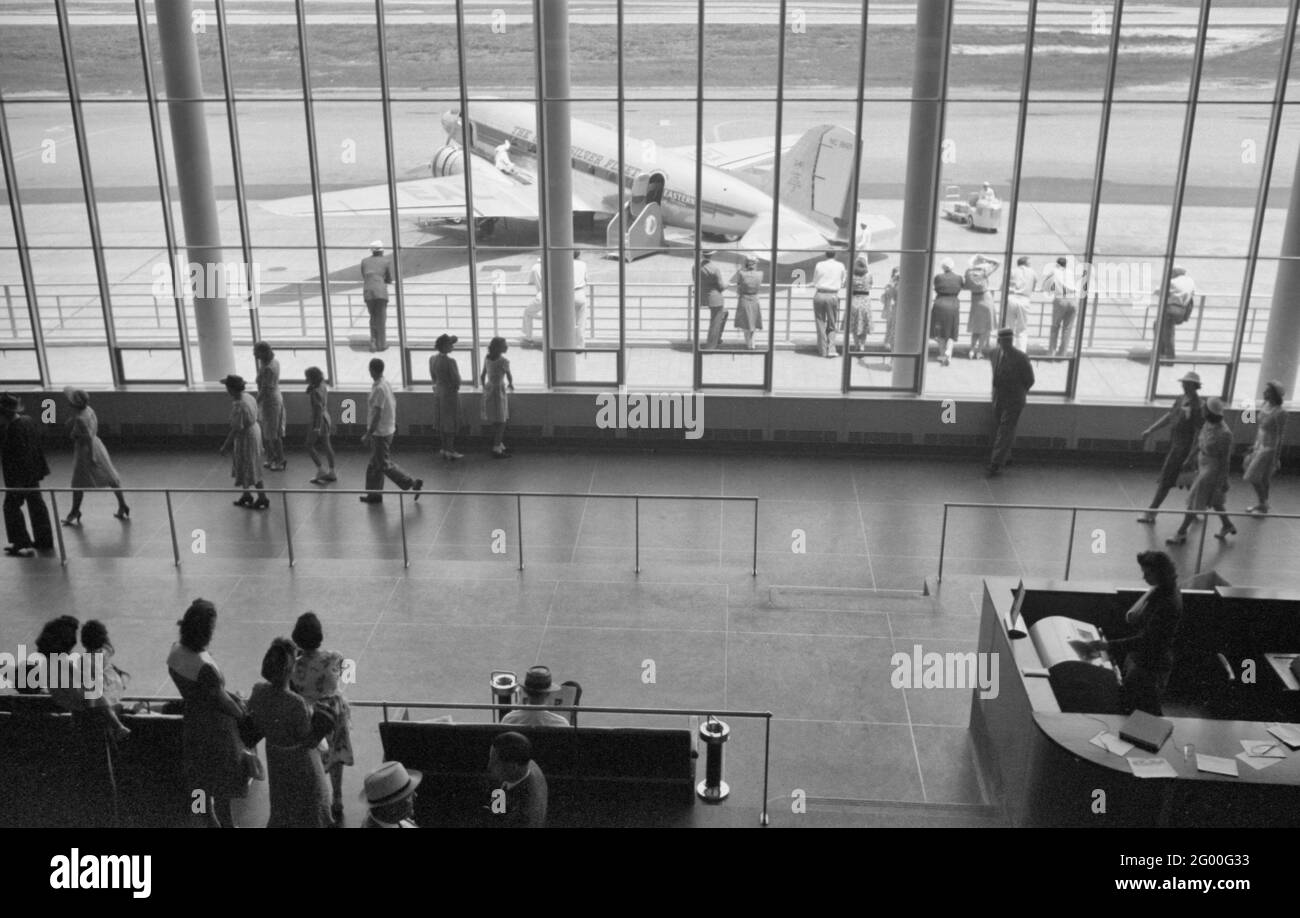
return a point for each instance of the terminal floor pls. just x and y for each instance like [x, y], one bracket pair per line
[810, 638]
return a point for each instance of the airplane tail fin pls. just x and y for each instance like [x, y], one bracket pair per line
[817, 177]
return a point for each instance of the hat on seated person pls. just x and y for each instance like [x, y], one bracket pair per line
[1214, 405]
[390, 783]
[537, 681]
[1191, 376]
[1006, 334]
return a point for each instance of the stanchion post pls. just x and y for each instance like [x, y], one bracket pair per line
[519, 524]
[401, 512]
[754, 565]
[1069, 548]
[636, 531]
[767, 756]
[58, 528]
[1200, 552]
[713, 789]
[171, 524]
[288, 529]
[943, 541]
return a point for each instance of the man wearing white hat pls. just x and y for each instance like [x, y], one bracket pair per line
[376, 275]
[390, 794]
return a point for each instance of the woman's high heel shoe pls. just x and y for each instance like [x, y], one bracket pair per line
[123, 513]
[1226, 531]
[73, 519]
[245, 501]
[261, 503]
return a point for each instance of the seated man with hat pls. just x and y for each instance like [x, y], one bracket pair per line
[538, 690]
[390, 794]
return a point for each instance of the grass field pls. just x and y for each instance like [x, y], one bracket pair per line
[423, 60]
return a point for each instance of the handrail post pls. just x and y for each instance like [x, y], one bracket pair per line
[288, 529]
[58, 528]
[1200, 552]
[636, 533]
[1069, 548]
[171, 524]
[767, 756]
[754, 566]
[519, 523]
[943, 541]
[401, 512]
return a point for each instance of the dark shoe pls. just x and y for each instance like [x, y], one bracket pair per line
[1226, 531]
[367, 499]
[244, 501]
[262, 503]
[1179, 538]
[123, 514]
[1147, 519]
[336, 812]
[417, 488]
[24, 552]
[73, 519]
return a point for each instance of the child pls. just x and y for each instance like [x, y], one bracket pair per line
[319, 446]
[497, 381]
[94, 639]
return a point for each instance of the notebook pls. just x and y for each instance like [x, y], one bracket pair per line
[1146, 731]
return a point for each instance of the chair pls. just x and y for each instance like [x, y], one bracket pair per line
[570, 695]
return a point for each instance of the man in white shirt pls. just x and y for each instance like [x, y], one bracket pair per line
[829, 278]
[537, 691]
[501, 158]
[580, 297]
[381, 426]
[1022, 283]
[533, 309]
[1058, 282]
[1177, 307]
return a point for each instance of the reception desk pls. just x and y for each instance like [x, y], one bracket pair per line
[1034, 744]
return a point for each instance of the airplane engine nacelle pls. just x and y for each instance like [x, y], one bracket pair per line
[450, 160]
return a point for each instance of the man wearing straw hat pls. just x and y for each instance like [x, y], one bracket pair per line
[23, 463]
[390, 795]
[376, 274]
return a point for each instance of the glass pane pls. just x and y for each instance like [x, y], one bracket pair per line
[7, 235]
[509, 306]
[660, 50]
[1156, 63]
[426, 156]
[422, 57]
[214, 114]
[1279, 187]
[120, 140]
[1209, 329]
[289, 304]
[354, 167]
[31, 56]
[106, 51]
[1223, 176]
[1118, 334]
[143, 302]
[507, 208]
[987, 56]
[1138, 186]
[891, 50]
[1056, 174]
[277, 176]
[978, 161]
[1071, 50]
[48, 173]
[498, 50]
[1249, 386]
[207, 42]
[72, 322]
[1243, 49]
[342, 51]
[263, 42]
[16, 363]
[822, 50]
[151, 364]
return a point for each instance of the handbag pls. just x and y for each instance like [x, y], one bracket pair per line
[1186, 477]
[254, 770]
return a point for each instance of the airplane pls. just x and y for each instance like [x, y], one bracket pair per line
[816, 172]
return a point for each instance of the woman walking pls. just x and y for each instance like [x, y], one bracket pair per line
[270, 406]
[1210, 462]
[319, 447]
[1263, 460]
[446, 390]
[945, 314]
[749, 315]
[860, 310]
[244, 443]
[91, 465]
[212, 754]
[497, 382]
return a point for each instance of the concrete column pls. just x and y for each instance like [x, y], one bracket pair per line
[920, 195]
[1282, 341]
[557, 188]
[183, 79]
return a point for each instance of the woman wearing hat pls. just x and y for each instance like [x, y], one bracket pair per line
[390, 795]
[91, 465]
[446, 391]
[1210, 462]
[749, 315]
[1184, 421]
[244, 443]
[945, 313]
[497, 383]
[981, 310]
[860, 305]
[270, 406]
[1263, 460]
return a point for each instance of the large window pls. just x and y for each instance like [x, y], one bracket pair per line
[1136, 141]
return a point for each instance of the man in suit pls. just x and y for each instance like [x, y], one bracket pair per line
[24, 466]
[390, 795]
[376, 275]
[1013, 377]
[709, 287]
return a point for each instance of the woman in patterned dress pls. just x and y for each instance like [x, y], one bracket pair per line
[749, 314]
[270, 406]
[981, 304]
[445, 374]
[244, 443]
[860, 310]
[91, 465]
[1209, 488]
[945, 314]
[317, 676]
[1263, 460]
[497, 382]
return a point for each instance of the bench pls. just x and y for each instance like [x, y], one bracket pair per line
[596, 776]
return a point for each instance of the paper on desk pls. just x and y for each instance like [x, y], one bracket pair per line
[1257, 762]
[1216, 764]
[1152, 768]
[1287, 733]
[1262, 749]
[1111, 743]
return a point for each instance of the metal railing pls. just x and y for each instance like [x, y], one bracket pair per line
[766, 716]
[401, 506]
[1074, 516]
[654, 313]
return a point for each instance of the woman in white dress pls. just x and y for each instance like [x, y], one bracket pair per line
[91, 465]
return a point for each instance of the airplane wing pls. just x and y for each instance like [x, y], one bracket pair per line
[794, 233]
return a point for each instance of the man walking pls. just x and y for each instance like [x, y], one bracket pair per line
[376, 274]
[23, 464]
[533, 309]
[709, 287]
[829, 278]
[1058, 283]
[380, 428]
[1013, 377]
